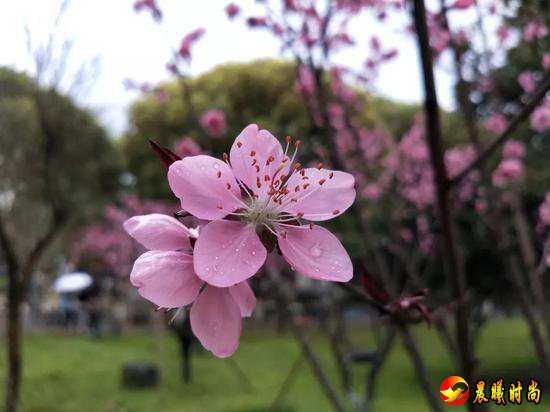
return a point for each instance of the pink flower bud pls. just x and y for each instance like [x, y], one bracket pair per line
[213, 122]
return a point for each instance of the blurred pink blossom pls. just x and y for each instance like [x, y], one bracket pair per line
[513, 149]
[534, 30]
[503, 33]
[339, 87]
[186, 146]
[463, 4]
[256, 22]
[188, 41]
[150, 5]
[540, 119]
[496, 123]
[371, 191]
[232, 10]
[213, 122]
[305, 83]
[336, 116]
[544, 213]
[526, 79]
[507, 172]
[546, 61]
[406, 234]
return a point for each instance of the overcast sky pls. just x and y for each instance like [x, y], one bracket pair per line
[130, 45]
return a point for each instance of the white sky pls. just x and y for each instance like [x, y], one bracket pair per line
[131, 45]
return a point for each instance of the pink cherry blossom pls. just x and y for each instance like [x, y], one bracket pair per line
[188, 41]
[463, 4]
[513, 149]
[503, 33]
[305, 83]
[259, 193]
[507, 172]
[496, 123]
[544, 213]
[150, 5]
[534, 30]
[256, 22]
[186, 146]
[371, 191]
[165, 276]
[232, 10]
[527, 81]
[546, 61]
[540, 119]
[213, 122]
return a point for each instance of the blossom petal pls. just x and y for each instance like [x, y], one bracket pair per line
[166, 278]
[315, 253]
[249, 158]
[205, 186]
[216, 321]
[244, 297]
[321, 194]
[228, 252]
[158, 232]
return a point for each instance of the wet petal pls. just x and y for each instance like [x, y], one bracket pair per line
[216, 321]
[244, 297]
[205, 186]
[321, 194]
[315, 253]
[166, 278]
[228, 252]
[158, 232]
[254, 155]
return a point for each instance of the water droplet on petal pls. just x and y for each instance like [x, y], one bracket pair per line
[253, 253]
[216, 166]
[315, 251]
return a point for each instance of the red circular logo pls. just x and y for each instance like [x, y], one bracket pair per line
[454, 390]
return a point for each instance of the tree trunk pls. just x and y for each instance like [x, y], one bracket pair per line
[13, 345]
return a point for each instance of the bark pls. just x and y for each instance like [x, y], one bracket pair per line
[455, 273]
[18, 280]
[13, 345]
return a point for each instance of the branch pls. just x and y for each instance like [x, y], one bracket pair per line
[358, 292]
[40, 247]
[537, 96]
[9, 253]
[456, 277]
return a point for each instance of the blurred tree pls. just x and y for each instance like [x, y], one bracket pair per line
[57, 167]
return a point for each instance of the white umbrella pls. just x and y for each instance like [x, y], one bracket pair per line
[72, 282]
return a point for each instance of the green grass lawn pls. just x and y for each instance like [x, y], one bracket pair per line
[67, 373]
